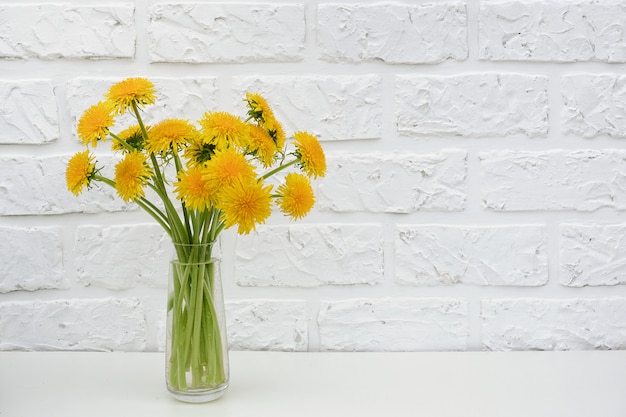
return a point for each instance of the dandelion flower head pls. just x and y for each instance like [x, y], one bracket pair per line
[223, 129]
[261, 112]
[226, 167]
[79, 172]
[133, 138]
[310, 153]
[260, 143]
[131, 175]
[138, 91]
[192, 189]
[258, 107]
[297, 195]
[198, 153]
[276, 131]
[170, 134]
[95, 123]
[245, 204]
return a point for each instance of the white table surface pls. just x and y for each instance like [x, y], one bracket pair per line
[503, 384]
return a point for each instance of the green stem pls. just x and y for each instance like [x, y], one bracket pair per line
[179, 168]
[279, 168]
[196, 308]
[159, 185]
[145, 204]
[178, 230]
[196, 350]
[121, 142]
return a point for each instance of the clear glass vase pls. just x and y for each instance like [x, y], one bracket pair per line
[196, 345]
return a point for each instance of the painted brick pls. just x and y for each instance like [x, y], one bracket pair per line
[392, 32]
[31, 259]
[73, 324]
[593, 104]
[560, 31]
[500, 255]
[185, 98]
[122, 257]
[554, 324]
[394, 182]
[28, 112]
[310, 255]
[472, 105]
[260, 324]
[226, 32]
[64, 30]
[393, 324]
[332, 107]
[582, 180]
[36, 186]
[592, 254]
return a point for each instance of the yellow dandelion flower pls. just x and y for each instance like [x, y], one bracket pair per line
[80, 170]
[297, 195]
[246, 204]
[198, 153]
[123, 94]
[226, 167]
[258, 107]
[261, 112]
[276, 131]
[192, 189]
[261, 145]
[310, 153]
[131, 176]
[133, 138]
[95, 123]
[170, 134]
[223, 129]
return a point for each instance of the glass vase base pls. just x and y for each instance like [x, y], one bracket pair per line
[198, 396]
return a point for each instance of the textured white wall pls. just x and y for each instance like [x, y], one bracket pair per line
[476, 188]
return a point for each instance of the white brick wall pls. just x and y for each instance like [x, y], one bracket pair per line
[581, 179]
[114, 257]
[394, 182]
[554, 324]
[31, 259]
[593, 104]
[592, 254]
[400, 33]
[226, 32]
[65, 30]
[553, 31]
[476, 187]
[491, 104]
[503, 255]
[261, 324]
[73, 324]
[394, 324]
[34, 98]
[290, 256]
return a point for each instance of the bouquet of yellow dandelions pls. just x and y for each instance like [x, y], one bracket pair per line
[221, 166]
